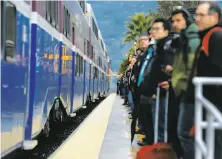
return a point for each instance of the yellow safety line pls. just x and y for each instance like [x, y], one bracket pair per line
[87, 141]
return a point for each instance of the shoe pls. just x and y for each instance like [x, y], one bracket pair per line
[140, 131]
[143, 143]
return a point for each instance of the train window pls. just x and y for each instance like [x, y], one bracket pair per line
[77, 65]
[73, 34]
[96, 72]
[48, 8]
[84, 49]
[64, 20]
[68, 25]
[81, 66]
[52, 13]
[88, 48]
[2, 39]
[91, 56]
[56, 12]
[90, 72]
[10, 33]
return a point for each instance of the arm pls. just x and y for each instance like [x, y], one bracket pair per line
[215, 48]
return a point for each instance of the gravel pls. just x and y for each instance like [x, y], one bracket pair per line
[59, 133]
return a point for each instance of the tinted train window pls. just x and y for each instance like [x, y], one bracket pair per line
[64, 20]
[56, 14]
[2, 26]
[68, 25]
[81, 66]
[88, 48]
[52, 14]
[73, 35]
[77, 65]
[10, 32]
[84, 50]
[95, 73]
[92, 53]
[48, 10]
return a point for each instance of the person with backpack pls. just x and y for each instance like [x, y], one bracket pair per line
[208, 60]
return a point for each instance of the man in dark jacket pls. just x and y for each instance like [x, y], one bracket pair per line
[143, 45]
[186, 46]
[153, 75]
[208, 61]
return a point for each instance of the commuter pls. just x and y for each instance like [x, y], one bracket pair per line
[186, 45]
[118, 86]
[163, 56]
[145, 112]
[125, 85]
[130, 85]
[121, 84]
[208, 62]
[143, 45]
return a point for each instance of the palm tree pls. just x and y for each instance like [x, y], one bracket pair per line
[137, 25]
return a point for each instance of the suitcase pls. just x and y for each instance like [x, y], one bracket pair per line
[156, 122]
[158, 150]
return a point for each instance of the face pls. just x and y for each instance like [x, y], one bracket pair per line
[204, 19]
[133, 61]
[144, 42]
[178, 22]
[158, 31]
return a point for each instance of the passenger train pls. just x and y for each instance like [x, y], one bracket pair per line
[53, 62]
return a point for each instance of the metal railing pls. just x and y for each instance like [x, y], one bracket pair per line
[205, 149]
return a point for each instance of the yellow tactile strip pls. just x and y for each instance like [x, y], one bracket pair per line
[86, 141]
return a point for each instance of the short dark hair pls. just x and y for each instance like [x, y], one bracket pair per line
[166, 23]
[148, 30]
[185, 14]
[214, 7]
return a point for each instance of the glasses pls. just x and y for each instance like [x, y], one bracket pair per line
[157, 29]
[143, 39]
[201, 15]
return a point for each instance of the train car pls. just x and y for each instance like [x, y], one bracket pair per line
[98, 51]
[48, 65]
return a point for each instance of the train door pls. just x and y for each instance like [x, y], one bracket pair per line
[15, 28]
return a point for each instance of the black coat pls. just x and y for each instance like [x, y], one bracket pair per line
[153, 73]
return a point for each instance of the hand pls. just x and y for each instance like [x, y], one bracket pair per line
[168, 69]
[164, 85]
[132, 78]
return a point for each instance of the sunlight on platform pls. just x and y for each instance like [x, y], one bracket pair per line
[105, 134]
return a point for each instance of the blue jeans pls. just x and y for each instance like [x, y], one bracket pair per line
[185, 123]
[161, 117]
[130, 100]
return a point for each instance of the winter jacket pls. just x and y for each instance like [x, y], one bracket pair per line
[187, 45]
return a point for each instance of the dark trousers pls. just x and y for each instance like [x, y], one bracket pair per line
[117, 89]
[126, 96]
[145, 113]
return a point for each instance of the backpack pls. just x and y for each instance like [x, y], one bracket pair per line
[205, 42]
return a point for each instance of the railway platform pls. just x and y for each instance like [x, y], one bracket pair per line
[104, 134]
